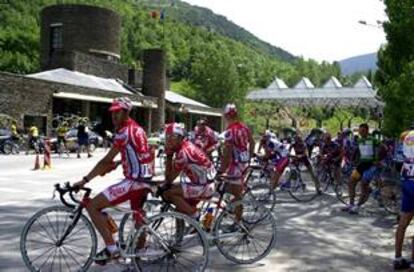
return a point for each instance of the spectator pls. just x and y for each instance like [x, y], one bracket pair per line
[83, 139]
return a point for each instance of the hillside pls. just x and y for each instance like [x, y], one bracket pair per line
[199, 16]
[214, 62]
[357, 64]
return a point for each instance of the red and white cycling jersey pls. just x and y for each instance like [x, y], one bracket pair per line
[136, 157]
[205, 139]
[194, 163]
[237, 135]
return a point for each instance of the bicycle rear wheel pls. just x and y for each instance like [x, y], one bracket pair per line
[178, 244]
[263, 194]
[342, 191]
[39, 241]
[249, 240]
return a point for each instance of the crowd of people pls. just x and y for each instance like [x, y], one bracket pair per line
[192, 155]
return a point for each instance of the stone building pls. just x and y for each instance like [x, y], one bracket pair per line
[81, 74]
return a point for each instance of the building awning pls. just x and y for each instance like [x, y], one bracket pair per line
[75, 78]
[185, 104]
[93, 98]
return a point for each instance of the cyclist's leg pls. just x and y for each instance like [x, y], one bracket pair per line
[406, 215]
[278, 170]
[177, 195]
[94, 208]
[355, 178]
[367, 177]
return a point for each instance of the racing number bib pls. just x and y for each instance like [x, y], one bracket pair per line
[146, 171]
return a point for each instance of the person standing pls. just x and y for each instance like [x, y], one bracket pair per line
[407, 205]
[83, 139]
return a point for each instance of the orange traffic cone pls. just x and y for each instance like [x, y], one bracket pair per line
[47, 161]
[37, 163]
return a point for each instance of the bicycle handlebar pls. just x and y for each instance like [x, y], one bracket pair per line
[70, 189]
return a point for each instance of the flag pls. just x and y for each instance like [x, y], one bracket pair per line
[162, 15]
[154, 14]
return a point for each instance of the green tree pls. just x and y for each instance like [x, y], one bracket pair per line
[396, 65]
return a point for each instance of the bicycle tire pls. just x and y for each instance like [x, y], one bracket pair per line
[263, 194]
[391, 198]
[126, 224]
[56, 232]
[7, 148]
[296, 183]
[342, 191]
[265, 226]
[176, 245]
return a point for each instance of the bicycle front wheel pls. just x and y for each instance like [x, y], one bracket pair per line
[177, 244]
[40, 246]
[302, 187]
[391, 198]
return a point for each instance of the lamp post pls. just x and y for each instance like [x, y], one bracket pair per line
[377, 25]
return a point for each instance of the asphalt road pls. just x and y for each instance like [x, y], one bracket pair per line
[314, 236]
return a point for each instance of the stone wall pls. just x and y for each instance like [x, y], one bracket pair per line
[88, 64]
[88, 29]
[20, 95]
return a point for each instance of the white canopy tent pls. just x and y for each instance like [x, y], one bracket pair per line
[331, 94]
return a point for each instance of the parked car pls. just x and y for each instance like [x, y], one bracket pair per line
[72, 141]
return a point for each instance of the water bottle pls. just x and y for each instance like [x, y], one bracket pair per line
[208, 219]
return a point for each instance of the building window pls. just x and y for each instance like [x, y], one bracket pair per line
[56, 41]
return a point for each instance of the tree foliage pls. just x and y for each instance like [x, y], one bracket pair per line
[396, 63]
[214, 60]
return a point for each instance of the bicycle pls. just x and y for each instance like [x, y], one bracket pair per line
[300, 188]
[256, 221]
[327, 181]
[63, 234]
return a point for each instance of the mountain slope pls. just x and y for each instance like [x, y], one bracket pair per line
[362, 63]
[203, 17]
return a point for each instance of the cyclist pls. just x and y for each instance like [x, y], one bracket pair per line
[131, 141]
[277, 153]
[370, 153]
[331, 155]
[301, 155]
[237, 151]
[33, 139]
[61, 139]
[407, 207]
[205, 137]
[195, 167]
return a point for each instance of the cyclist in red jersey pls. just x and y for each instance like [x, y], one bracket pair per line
[131, 141]
[197, 172]
[238, 149]
[205, 137]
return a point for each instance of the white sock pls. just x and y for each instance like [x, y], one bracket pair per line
[112, 248]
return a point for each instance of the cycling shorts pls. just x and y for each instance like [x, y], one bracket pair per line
[407, 201]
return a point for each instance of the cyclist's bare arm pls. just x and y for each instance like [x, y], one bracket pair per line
[171, 173]
[252, 146]
[226, 158]
[100, 168]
